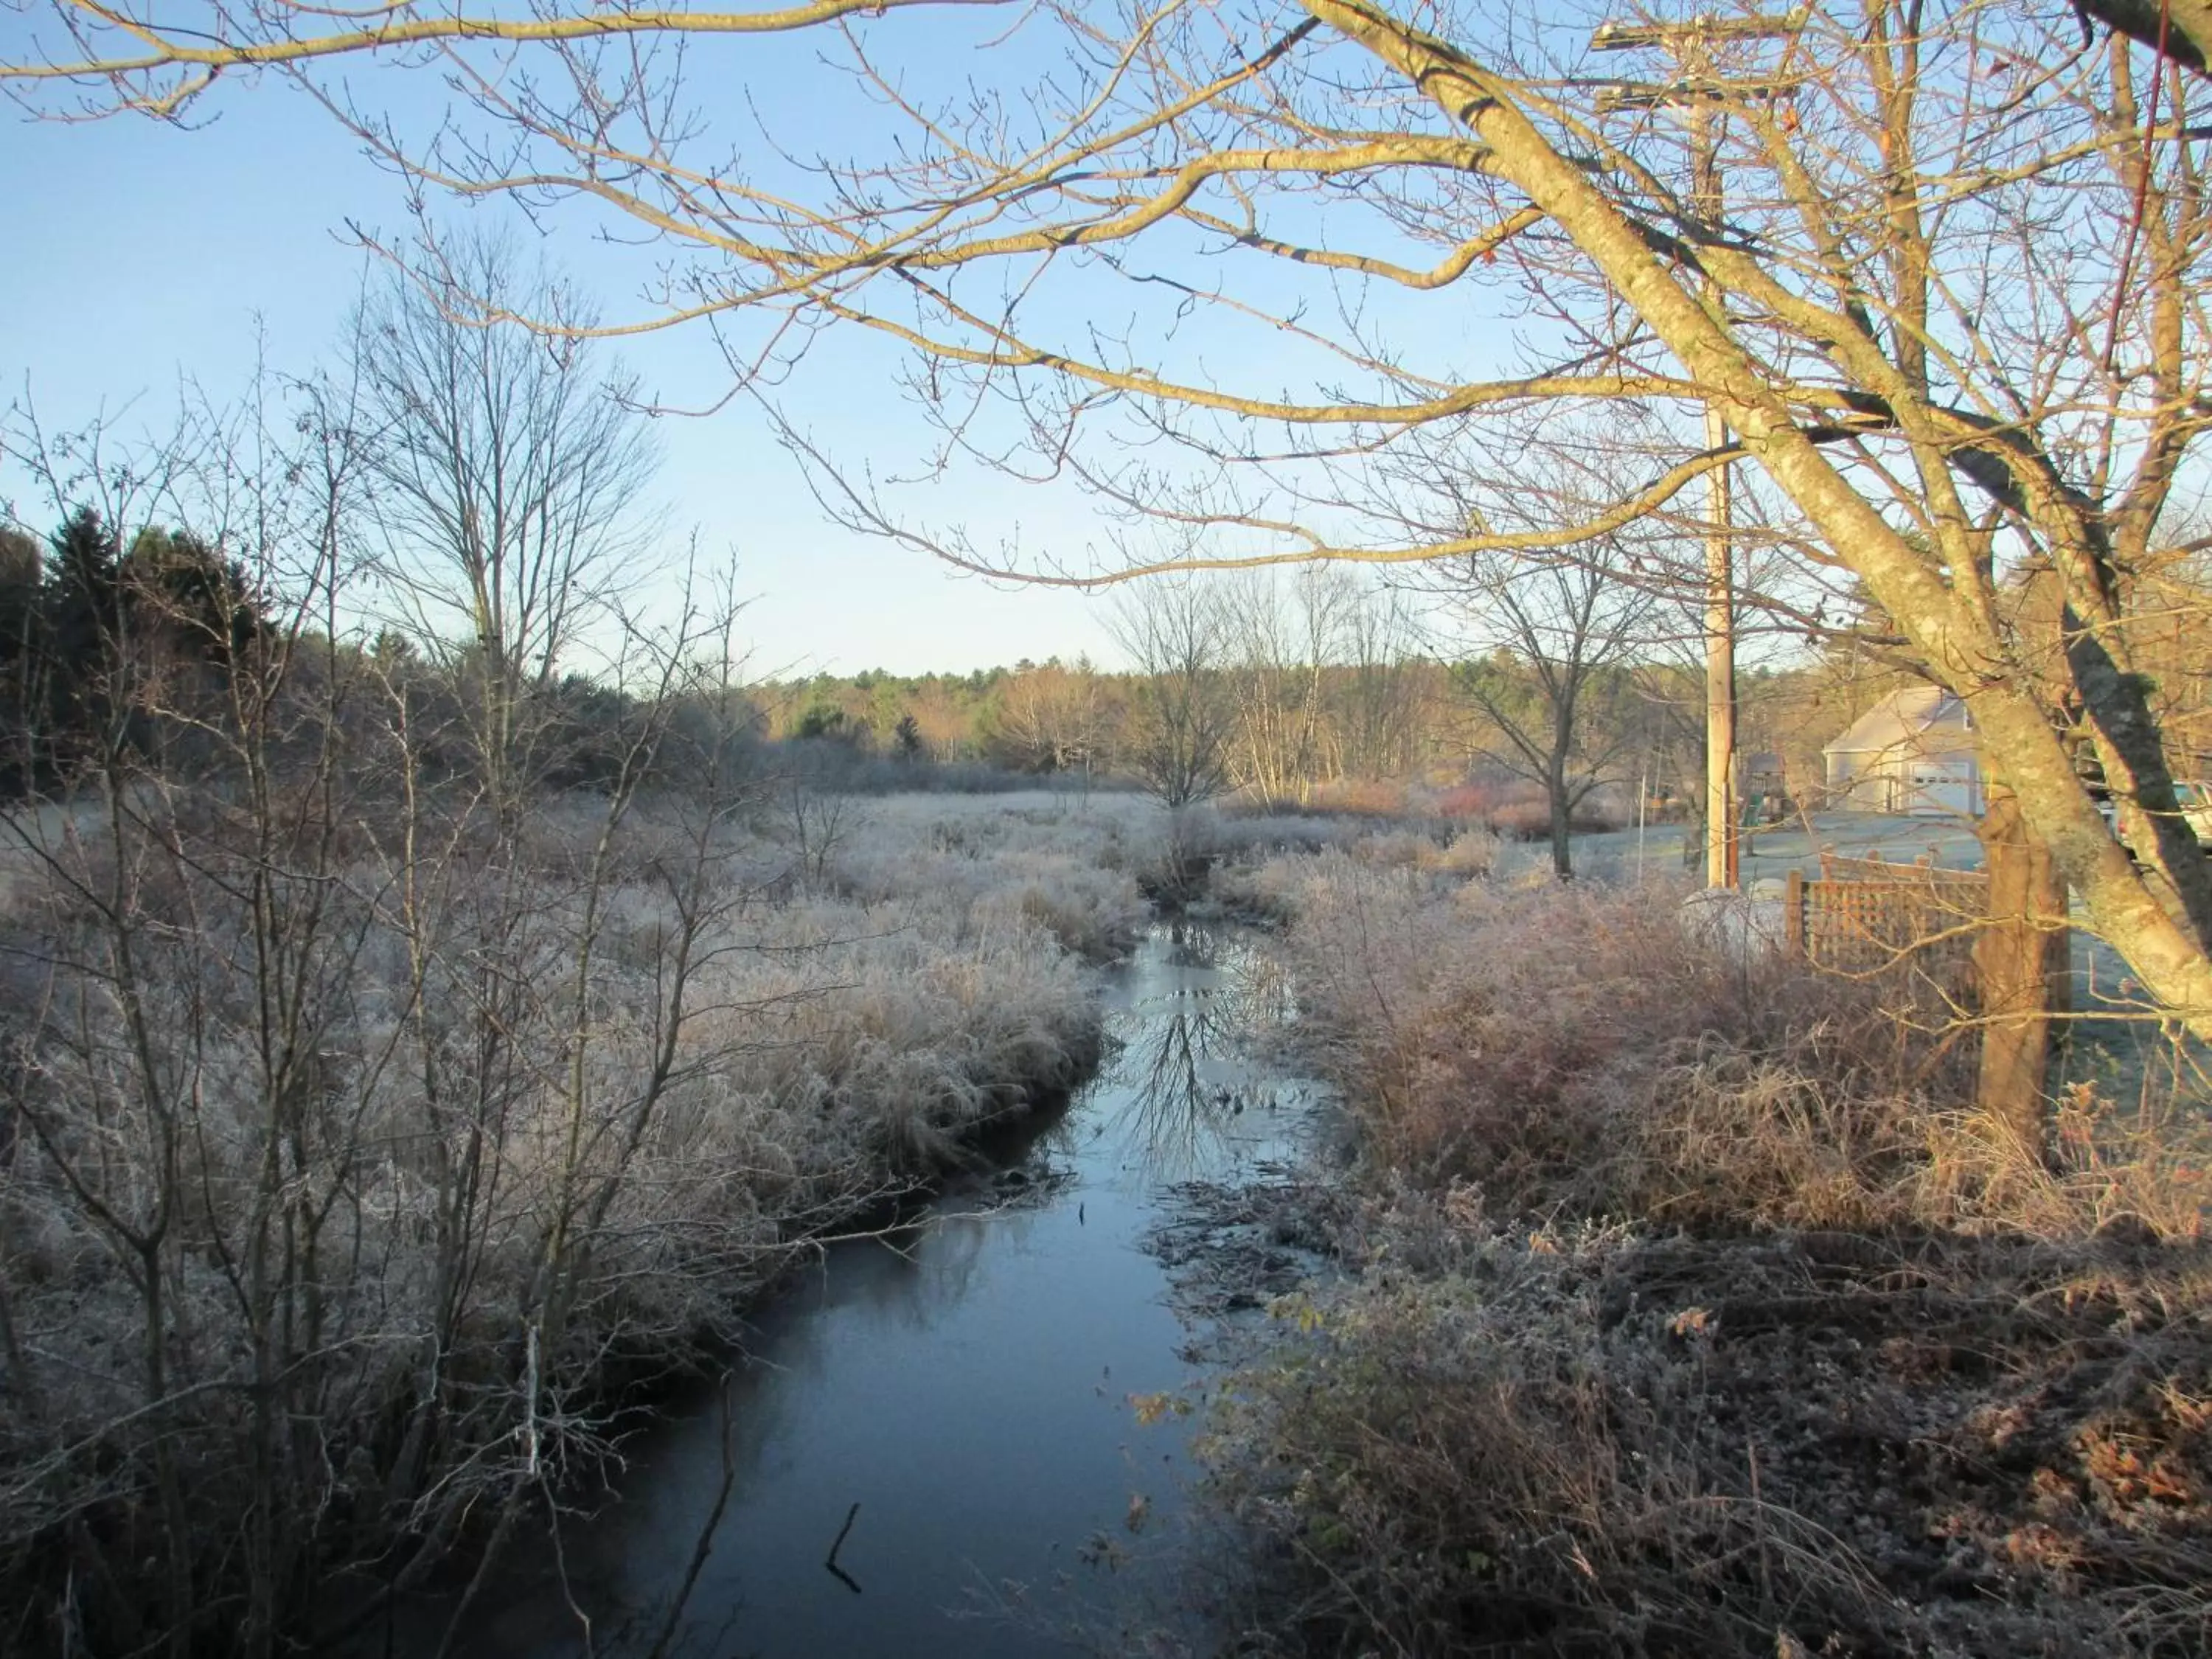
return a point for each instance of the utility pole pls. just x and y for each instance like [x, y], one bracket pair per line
[1696, 90]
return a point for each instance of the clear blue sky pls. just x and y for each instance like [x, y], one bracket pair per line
[145, 253]
[142, 254]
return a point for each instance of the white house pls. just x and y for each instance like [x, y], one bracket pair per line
[1914, 752]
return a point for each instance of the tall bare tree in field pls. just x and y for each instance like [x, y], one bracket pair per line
[1384, 711]
[1181, 715]
[507, 475]
[1284, 645]
[1052, 718]
[1945, 298]
[1555, 697]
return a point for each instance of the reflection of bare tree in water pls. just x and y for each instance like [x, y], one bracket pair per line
[1194, 944]
[1184, 1066]
[1253, 983]
[1266, 994]
[1176, 1115]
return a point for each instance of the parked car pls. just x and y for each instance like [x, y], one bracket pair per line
[2196, 801]
[2196, 809]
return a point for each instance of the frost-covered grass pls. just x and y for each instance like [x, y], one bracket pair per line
[1072, 864]
[423, 1147]
[1584, 1047]
[1270, 870]
[1693, 1307]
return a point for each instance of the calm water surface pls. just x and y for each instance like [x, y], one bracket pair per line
[969, 1389]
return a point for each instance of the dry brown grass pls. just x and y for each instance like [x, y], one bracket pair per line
[1692, 1311]
[1579, 1050]
[1594, 1441]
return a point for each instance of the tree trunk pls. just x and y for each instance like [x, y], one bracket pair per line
[2020, 958]
[1555, 787]
[1958, 641]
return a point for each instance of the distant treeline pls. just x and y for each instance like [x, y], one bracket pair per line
[1340, 731]
[1038, 718]
[82, 613]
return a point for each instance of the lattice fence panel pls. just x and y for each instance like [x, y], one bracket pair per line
[1871, 919]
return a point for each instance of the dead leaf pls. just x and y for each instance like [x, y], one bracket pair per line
[1692, 1322]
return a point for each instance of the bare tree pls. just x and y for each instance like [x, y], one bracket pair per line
[1554, 693]
[1943, 305]
[507, 478]
[176, 1068]
[326, 1089]
[1384, 704]
[2179, 29]
[1181, 713]
[1282, 648]
[1051, 718]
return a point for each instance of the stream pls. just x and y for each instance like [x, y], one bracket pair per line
[955, 1406]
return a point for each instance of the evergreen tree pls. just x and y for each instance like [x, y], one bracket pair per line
[21, 568]
[178, 586]
[80, 639]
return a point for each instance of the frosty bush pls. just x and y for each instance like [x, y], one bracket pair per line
[333, 1187]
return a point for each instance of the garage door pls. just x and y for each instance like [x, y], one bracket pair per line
[1940, 789]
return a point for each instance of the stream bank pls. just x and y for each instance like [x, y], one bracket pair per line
[966, 1434]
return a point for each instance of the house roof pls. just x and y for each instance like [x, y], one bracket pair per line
[1924, 720]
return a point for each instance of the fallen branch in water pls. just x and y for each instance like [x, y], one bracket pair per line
[842, 1576]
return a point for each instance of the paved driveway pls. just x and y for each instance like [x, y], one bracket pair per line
[1796, 844]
